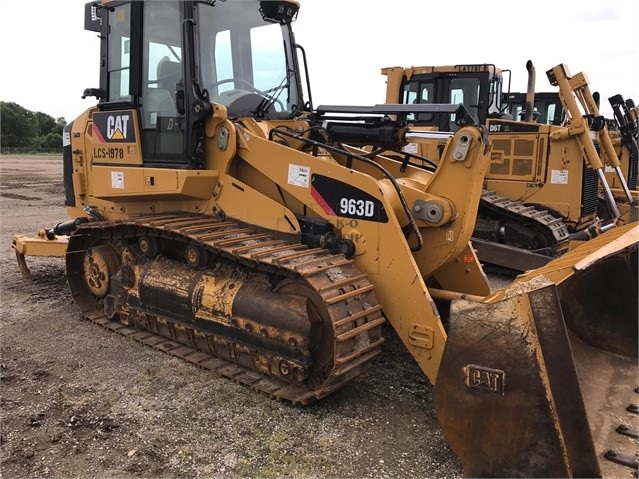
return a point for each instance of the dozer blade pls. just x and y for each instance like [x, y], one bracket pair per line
[539, 379]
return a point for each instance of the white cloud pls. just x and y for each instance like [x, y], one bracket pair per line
[48, 59]
[348, 42]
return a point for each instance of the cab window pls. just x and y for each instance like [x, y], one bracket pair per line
[119, 59]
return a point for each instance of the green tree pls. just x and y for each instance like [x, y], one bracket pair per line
[44, 122]
[51, 140]
[17, 126]
[49, 130]
[22, 128]
[60, 123]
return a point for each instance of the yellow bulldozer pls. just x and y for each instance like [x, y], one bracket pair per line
[623, 129]
[558, 173]
[217, 215]
[624, 133]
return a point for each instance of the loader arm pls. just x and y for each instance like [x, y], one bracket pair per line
[383, 249]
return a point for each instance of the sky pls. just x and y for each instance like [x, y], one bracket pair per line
[48, 59]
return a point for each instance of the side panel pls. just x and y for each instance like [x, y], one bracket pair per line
[114, 139]
[528, 164]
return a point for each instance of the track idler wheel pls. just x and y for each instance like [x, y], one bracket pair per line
[100, 263]
[89, 273]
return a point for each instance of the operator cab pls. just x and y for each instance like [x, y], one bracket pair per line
[168, 60]
[548, 108]
[477, 87]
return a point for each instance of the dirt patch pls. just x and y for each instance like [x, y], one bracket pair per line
[80, 401]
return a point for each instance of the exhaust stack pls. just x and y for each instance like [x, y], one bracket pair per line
[530, 92]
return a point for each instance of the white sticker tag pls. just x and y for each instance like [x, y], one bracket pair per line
[298, 175]
[154, 118]
[117, 180]
[411, 148]
[66, 138]
[559, 177]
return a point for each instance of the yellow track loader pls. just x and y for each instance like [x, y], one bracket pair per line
[562, 177]
[217, 215]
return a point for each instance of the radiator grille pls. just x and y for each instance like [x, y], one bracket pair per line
[632, 172]
[589, 192]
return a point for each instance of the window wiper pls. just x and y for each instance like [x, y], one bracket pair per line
[269, 100]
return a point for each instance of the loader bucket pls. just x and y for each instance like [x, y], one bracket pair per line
[540, 379]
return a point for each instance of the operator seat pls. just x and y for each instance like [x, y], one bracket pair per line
[161, 99]
[168, 74]
[164, 136]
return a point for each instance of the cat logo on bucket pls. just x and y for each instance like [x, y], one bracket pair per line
[114, 126]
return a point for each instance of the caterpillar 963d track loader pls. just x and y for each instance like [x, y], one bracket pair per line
[561, 176]
[216, 215]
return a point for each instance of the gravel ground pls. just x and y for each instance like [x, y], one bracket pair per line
[80, 401]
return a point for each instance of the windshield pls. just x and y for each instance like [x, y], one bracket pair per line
[246, 62]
